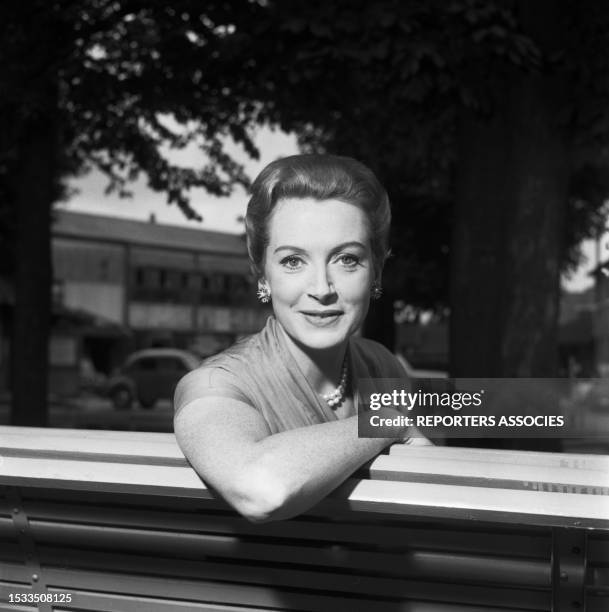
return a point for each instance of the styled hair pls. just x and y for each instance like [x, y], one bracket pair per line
[319, 177]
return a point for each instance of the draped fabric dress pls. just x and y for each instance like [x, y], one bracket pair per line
[260, 371]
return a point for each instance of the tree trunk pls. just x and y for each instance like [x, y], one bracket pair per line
[35, 189]
[512, 189]
[512, 181]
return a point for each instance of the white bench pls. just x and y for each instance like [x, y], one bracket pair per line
[120, 522]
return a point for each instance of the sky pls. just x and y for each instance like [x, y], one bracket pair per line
[581, 279]
[221, 214]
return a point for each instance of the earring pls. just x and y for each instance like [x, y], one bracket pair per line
[263, 293]
[376, 290]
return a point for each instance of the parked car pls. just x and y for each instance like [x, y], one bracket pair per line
[149, 375]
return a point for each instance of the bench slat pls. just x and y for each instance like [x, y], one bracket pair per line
[15, 575]
[432, 500]
[164, 446]
[102, 476]
[87, 444]
[329, 580]
[496, 475]
[43, 434]
[478, 503]
[14, 607]
[487, 455]
[84, 600]
[231, 594]
[406, 563]
[523, 544]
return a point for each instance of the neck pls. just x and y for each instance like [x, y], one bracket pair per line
[322, 368]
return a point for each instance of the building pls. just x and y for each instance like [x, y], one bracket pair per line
[140, 284]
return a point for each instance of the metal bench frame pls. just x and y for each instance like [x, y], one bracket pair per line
[122, 522]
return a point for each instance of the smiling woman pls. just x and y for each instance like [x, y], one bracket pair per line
[319, 271]
[271, 423]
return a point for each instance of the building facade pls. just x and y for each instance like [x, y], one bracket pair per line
[153, 284]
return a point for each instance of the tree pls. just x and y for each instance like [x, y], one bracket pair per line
[507, 256]
[482, 118]
[88, 84]
[527, 158]
[426, 93]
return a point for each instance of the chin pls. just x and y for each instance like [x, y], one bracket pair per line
[321, 344]
[321, 339]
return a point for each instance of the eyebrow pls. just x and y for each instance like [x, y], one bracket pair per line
[353, 243]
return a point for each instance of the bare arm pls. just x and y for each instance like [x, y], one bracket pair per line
[264, 476]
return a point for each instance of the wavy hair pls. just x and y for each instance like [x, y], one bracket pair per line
[319, 177]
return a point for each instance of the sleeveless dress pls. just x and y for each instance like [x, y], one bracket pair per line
[260, 371]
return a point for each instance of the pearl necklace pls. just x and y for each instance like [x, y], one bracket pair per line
[336, 397]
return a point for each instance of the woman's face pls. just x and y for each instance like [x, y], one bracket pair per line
[318, 266]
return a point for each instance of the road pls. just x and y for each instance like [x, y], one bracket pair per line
[93, 412]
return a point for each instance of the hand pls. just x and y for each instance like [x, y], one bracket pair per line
[416, 438]
[419, 441]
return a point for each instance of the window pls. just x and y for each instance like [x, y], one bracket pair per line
[57, 291]
[217, 283]
[139, 277]
[239, 284]
[148, 278]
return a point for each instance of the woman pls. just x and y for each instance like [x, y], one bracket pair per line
[270, 423]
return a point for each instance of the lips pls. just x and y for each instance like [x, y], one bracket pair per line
[323, 318]
[322, 313]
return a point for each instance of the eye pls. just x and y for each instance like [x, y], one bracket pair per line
[348, 260]
[291, 262]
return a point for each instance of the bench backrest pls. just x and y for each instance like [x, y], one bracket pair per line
[119, 521]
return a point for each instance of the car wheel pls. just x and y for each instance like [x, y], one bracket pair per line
[147, 402]
[122, 398]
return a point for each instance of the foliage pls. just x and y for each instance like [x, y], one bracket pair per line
[123, 75]
[383, 82]
[586, 64]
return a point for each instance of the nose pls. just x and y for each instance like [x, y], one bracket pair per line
[321, 287]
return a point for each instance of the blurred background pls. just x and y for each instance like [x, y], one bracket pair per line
[131, 131]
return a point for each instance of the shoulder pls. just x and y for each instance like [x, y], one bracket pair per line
[221, 376]
[236, 360]
[378, 357]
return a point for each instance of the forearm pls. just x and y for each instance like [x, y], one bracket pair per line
[264, 476]
[306, 464]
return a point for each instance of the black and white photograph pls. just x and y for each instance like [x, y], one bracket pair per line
[304, 306]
